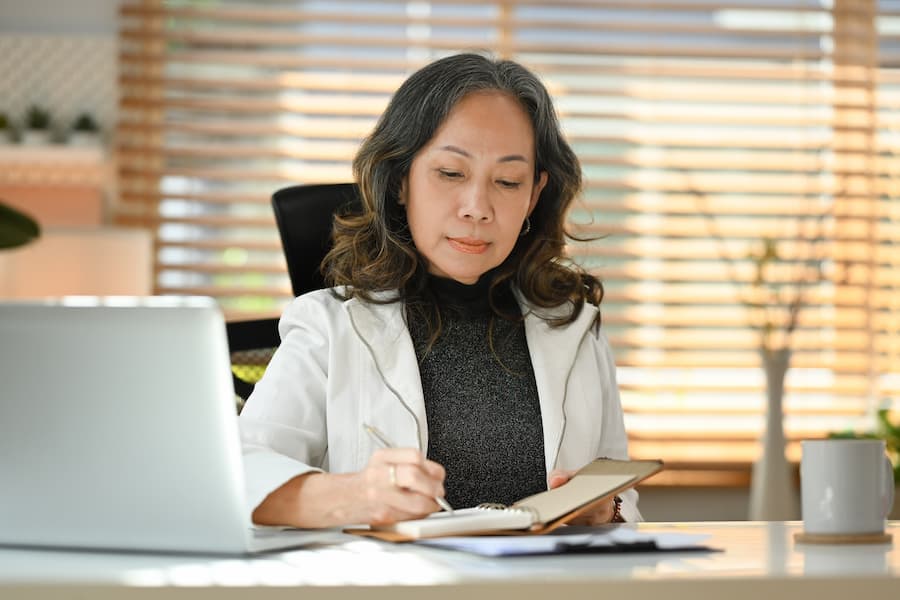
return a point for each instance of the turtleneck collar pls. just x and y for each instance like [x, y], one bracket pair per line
[471, 297]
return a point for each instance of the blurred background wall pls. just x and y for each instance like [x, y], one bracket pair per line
[61, 57]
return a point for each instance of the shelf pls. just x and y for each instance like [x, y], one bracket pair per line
[54, 165]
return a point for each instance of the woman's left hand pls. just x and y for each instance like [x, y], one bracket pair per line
[600, 515]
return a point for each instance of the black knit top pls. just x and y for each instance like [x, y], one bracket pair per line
[484, 418]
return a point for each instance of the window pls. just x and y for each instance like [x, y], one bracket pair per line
[710, 134]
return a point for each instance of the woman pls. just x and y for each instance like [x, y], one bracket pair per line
[455, 328]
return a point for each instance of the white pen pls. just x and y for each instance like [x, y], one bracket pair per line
[386, 443]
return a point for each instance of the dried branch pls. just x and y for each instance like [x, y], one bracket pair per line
[766, 296]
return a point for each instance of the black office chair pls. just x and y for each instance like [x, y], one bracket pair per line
[305, 215]
[251, 345]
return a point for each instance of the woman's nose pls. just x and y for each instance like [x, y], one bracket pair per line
[475, 204]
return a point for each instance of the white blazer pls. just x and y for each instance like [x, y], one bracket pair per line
[344, 363]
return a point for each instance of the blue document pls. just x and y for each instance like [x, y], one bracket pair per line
[577, 540]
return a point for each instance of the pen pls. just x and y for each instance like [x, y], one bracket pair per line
[386, 443]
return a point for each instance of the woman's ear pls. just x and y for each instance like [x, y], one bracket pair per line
[536, 191]
[402, 196]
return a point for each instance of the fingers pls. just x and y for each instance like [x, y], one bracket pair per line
[557, 477]
[416, 478]
[419, 480]
[435, 470]
[400, 483]
[406, 468]
[599, 516]
[400, 504]
[392, 475]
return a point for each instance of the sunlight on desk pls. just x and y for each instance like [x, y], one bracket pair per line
[364, 562]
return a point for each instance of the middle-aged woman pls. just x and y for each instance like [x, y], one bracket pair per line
[456, 326]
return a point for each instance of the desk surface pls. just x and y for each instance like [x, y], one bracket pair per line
[758, 560]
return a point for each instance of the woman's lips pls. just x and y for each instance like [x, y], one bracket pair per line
[468, 245]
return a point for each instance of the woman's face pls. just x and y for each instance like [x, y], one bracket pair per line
[470, 188]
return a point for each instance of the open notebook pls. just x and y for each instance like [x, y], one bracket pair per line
[540, 513]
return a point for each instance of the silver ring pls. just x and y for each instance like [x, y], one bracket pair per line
[392, 474]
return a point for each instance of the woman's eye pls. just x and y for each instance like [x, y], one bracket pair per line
[510, 185]
[449, 174]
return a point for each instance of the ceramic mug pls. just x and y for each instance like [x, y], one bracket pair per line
[846, 486]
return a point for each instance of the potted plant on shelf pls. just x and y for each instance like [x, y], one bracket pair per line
[5, 129]
[85, 131]
[37, 126]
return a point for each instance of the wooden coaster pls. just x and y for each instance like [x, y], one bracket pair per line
[829, 538]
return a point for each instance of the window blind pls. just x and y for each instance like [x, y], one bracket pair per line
[721, 141]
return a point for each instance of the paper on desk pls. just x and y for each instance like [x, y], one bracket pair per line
[619, 539]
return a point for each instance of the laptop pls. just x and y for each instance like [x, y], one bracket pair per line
[119, 430]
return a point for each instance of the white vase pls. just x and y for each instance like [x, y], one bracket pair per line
[84, 139]
[36, 137]
[773, 494]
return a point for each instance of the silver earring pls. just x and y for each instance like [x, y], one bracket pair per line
[527, 227]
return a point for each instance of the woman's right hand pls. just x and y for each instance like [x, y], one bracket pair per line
[396, 484]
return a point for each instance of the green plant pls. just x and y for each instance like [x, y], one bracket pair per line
[37, 118]
[884, 430]
[16, 228]
[85, 123]
[4, 121]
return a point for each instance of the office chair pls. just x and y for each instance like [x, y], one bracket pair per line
[251, 345]
[305, 214]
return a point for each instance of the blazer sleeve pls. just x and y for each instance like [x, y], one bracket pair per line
[282, 425]
[614, 439]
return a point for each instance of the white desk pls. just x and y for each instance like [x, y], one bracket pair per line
[760, 560]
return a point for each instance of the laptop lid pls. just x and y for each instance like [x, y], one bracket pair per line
[119, 428]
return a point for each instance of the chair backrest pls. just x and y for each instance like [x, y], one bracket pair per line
[305, 215]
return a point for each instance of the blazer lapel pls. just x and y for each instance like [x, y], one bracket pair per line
[553, 351]
[382, 329]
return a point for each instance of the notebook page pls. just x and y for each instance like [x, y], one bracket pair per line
[461, 522]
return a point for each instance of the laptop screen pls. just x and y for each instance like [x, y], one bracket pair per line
[119, 428]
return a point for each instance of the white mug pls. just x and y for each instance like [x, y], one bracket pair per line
[846, 486]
